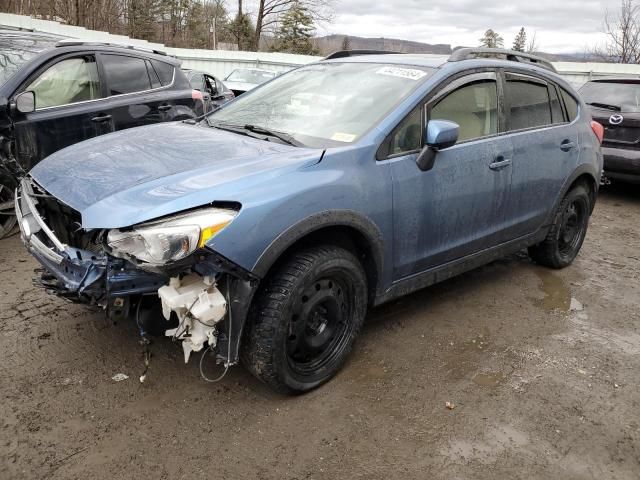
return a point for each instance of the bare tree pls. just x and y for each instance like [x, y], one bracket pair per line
[533, 46]
[623, 34]
[270, 11]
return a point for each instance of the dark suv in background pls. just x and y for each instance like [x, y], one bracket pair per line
[54, 93]
[615, 103]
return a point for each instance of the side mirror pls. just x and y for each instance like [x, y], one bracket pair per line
[438, 135]
[25, 102]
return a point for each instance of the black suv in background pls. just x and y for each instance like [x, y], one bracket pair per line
[615, 103]
[56, 93]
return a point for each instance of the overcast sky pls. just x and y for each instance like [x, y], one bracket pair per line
[560, 25]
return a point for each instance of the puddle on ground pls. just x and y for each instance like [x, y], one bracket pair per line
[557, 295]
[488, 379]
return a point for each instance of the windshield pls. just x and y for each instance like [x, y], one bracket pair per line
[625, 95]
[326, 104]
[250, 76]
[16, 49]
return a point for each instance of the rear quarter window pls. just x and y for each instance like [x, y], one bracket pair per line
[164, 71]
[570, 104]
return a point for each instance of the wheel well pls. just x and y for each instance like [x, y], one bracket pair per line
[346, 237]
[589, 182]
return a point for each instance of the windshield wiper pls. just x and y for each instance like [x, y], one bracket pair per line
[245, 129]
[606, 106]
[285, 137]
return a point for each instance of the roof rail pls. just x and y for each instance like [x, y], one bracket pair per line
[511, 55]
[75, 43]
[356, 53]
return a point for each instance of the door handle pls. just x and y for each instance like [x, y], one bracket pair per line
[164, 108]
[567, 145]
[500, 163]
[101, 118]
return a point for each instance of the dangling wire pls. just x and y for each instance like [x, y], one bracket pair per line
[210, 348]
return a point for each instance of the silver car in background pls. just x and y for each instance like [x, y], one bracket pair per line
[244, 79]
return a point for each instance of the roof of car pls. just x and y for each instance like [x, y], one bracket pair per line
[28, 34]
[419, 60]
[479, 55]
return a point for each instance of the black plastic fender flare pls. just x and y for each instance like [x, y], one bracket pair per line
[318, 221]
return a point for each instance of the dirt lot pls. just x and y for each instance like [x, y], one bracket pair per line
[541, 366]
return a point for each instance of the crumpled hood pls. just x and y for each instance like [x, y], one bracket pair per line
[143, 173]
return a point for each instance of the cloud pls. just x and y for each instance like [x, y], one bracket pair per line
[560, 26]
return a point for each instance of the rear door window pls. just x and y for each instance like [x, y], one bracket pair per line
[557, 114]
[125, 74]
[155, 81]
[528, 101]
[69, 81]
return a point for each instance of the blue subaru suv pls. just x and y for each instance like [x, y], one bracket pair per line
[264, 232]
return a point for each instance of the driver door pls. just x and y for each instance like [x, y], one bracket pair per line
[458, 207]
[68, 109]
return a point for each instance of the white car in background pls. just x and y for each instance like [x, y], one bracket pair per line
[244, 79]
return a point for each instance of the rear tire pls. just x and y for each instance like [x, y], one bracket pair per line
[569, 228]
[305, 319]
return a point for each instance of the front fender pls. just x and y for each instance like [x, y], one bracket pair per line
[313, 223]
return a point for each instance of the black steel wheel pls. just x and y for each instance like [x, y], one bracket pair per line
[566, 235]
[305, 319]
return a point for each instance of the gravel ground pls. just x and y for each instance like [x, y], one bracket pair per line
[541, 368]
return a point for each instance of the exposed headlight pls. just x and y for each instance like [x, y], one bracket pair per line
[172, 239]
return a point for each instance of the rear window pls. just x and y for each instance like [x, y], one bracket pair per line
[620, 96]
[125, 74]
[164, 71]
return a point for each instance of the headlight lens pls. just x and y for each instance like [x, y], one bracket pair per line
[175, 238]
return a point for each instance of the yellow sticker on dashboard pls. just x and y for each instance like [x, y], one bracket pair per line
[343, 137]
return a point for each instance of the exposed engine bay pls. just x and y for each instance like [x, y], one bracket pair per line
[80, 266]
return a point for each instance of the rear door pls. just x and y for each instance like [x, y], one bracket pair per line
[545, 149]
[458, 207]
[131, 90]
[69, 108]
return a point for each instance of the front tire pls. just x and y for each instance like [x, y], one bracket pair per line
[305, 319]
[7, 210]
[564, 240]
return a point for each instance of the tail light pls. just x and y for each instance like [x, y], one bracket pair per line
[197, 95]
[598, 130]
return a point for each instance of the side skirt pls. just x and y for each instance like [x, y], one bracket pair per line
[440, 273]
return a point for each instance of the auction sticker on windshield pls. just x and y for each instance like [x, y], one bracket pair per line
[410, 73]
[343, 137]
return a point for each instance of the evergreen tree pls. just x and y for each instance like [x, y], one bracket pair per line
[491, 39]
[242, 31]
[294, 34]
[346, 44]
[520, 42]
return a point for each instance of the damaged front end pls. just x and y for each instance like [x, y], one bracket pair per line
[202, 293]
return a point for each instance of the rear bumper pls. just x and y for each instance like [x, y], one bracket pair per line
[623, 164]
[74, 273]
